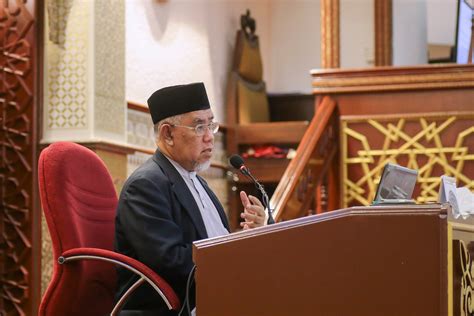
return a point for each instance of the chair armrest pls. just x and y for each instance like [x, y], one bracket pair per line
[145, 273]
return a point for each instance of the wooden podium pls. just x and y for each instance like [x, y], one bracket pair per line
[384, 260]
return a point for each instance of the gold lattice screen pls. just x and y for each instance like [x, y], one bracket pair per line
[434, 144]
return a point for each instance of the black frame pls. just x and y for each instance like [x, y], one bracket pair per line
[396, 184]
[455, 51]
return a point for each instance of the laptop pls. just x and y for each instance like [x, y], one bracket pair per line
[396, 185]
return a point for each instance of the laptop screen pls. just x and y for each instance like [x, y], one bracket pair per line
[396, 183]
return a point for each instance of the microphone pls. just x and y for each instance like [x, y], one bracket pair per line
[238, 163]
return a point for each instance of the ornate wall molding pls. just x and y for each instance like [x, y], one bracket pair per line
[85, 71]
[109, 68]
[66, 66]
[391, 79]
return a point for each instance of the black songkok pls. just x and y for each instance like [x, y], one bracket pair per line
[174, 100]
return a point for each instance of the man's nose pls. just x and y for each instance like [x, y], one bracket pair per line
[208, 134]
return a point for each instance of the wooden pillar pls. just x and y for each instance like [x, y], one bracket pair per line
[20, 32]
[383, 32]
[471, 47]
[330, 34]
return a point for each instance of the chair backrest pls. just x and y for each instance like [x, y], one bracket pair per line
[247, 95]
[79, 202]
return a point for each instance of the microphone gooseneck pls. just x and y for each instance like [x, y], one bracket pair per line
[238, 163]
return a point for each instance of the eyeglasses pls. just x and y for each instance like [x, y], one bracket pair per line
[201, 129]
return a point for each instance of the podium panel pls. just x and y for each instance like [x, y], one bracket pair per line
[358, 261]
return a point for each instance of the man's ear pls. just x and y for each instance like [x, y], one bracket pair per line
[166, 134]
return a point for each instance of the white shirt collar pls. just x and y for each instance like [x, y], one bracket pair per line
[183, 172]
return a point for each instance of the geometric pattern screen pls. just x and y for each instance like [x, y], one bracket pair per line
[432, 144]
[66, 65]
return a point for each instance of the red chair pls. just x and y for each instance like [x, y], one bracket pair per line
[79, 201]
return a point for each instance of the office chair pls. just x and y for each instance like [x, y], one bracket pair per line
[79, 201]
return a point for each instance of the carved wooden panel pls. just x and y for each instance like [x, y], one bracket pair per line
[433, 144]
[463, 278]
[17, 156]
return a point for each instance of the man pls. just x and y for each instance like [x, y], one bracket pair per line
[164, 206]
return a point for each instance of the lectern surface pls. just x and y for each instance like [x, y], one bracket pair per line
[358, 261]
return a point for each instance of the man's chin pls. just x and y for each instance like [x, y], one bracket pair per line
[203, 166]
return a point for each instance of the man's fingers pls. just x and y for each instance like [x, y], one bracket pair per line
[254, 200]
[256, 217]
[254, 213]
[244, 198]
[247, 225]
[244, 225]
[255, 209]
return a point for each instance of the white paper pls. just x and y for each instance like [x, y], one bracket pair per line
[448, 184]
[465, 199]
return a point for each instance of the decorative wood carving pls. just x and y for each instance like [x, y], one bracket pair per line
[463, 291]
[19, 220]
[433, 144]
[330, 37]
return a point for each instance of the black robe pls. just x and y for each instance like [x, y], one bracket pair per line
[157, 220]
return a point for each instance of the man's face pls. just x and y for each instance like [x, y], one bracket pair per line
[191, 151]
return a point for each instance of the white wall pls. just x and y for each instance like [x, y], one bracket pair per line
[295, 45]
[183, 41]
[357, 33]
[441, 21]
[180, 41]
[409, 32]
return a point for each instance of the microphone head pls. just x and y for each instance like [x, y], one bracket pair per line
[236, 161]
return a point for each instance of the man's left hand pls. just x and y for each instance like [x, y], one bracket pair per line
[253, 214]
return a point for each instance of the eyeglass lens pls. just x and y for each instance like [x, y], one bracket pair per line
[202, 128]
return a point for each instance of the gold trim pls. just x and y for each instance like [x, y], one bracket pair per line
[396, 116]
[330, 34]
[462, 227]
[396, 79]
[392, 88]
[343, 175]
[393, 82]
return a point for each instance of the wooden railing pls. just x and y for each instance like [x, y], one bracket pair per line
[310, 183]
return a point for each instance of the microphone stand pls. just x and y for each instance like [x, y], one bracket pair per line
[265, 199]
